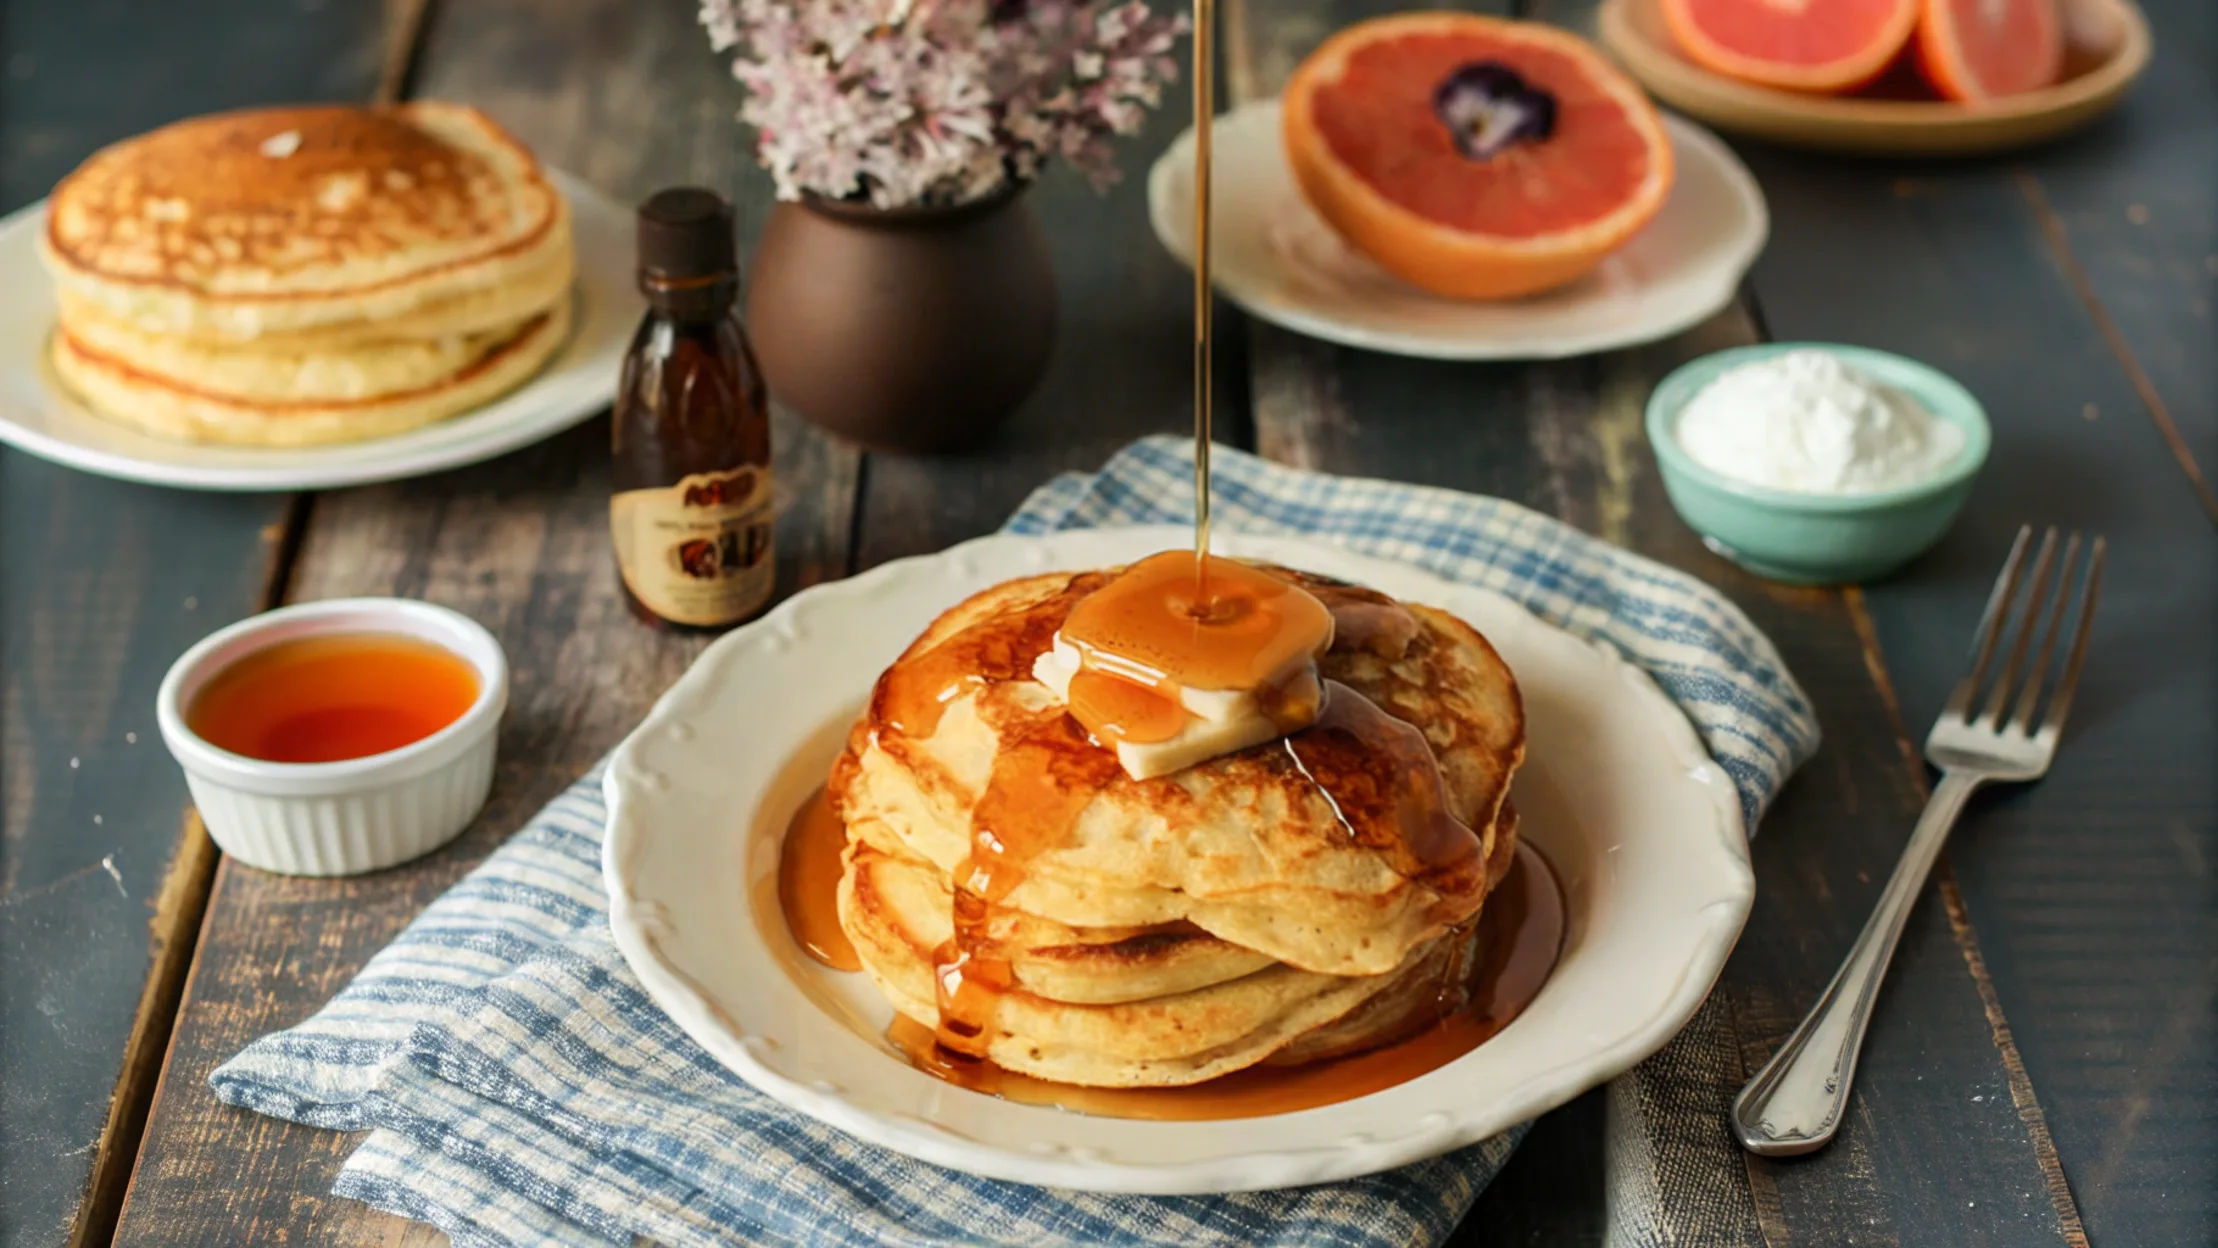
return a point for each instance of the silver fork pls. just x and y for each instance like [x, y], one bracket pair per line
[1795, 1103]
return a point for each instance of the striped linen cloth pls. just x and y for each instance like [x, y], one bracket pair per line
[519, 1087]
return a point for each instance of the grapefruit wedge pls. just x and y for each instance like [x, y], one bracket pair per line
[1474, 157]
[1823, 46]
[1980, 49]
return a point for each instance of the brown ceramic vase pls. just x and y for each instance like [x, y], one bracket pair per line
[911, 329]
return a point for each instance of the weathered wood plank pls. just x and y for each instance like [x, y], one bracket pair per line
[2130, 211]
[629, 97]
[2091, 891]
[101, 585]
[1566, 438]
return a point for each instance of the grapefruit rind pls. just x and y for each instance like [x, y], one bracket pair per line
[1941, 62]
[1457, 263]
[1825, 78]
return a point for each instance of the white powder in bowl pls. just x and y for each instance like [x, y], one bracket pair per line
[1804, 421]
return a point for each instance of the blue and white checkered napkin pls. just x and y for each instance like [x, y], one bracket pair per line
[519, 1087]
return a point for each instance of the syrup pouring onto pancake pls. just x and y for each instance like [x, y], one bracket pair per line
[1377, 772]
[1178, 659]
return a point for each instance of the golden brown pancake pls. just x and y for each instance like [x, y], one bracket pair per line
[1053, 961]
[261, 374]
[526, 294]
[1193, 924]
[1414, 1002]
[297, 276]
[1169, 1040]
[1244, 846]
[284, 220]
[171, 409]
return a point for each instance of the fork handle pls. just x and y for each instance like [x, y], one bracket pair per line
[1796, 1102]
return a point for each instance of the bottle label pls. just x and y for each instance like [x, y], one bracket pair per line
[698, 552]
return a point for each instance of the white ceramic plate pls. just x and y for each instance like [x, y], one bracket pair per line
[39, 416]
[1644, 829]
[1279, 260]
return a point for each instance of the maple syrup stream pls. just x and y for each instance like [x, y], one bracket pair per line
[1049, 770]
[1043, 779]
[1205, 108]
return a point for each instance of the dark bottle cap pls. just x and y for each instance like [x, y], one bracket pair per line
[686, 232]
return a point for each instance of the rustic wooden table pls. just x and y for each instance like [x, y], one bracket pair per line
[2041, 1067]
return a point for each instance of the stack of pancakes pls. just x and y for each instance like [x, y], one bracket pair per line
[288, 276]
[1194, 924]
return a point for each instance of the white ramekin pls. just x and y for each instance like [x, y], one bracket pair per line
[358, 814]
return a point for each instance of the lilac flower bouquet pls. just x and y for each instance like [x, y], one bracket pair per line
[938, 102]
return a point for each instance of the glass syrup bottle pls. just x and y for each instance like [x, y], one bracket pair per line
[692, 509]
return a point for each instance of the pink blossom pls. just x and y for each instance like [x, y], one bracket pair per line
[939, 101]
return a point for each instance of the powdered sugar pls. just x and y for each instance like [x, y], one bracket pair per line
[1805, 421]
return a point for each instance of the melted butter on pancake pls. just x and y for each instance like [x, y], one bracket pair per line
[1225, 626]
[1296, 880]
[1175, 662]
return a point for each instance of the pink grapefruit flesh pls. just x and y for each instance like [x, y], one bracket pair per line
[1975, 50]
[1823, 46]
[1376, 156]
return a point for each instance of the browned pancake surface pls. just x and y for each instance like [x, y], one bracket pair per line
[297, 202]
[1244, 846]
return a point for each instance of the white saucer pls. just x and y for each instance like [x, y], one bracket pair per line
[40, 417]
[1644, 829]
[1279, 260]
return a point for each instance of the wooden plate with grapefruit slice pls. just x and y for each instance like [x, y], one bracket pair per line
[2103, 45]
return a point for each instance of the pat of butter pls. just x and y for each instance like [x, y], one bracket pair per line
[1218, 721]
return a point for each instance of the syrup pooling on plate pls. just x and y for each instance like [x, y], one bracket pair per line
[1152, 633]
[808, 882]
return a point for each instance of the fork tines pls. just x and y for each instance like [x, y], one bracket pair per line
[2058, 587]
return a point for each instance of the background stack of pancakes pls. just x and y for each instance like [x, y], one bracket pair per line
[1198, 923]
[305, 275]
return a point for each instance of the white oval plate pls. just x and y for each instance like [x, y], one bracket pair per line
[39, 416]
[1277, 258]
[1644, 829]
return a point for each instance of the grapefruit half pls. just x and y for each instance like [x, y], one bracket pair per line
[1981, 49]
[1474, 157]
[1824, 46]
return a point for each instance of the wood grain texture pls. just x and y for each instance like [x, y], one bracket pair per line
[2130, 211]
[2091, 892]
[1566, 438]
[629, 97]
[102, 584]
[2091, 895]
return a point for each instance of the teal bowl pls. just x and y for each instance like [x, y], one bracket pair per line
[1818, 539]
